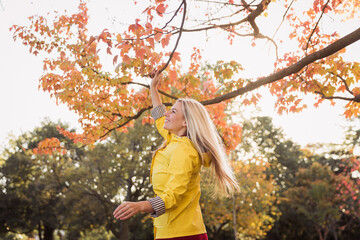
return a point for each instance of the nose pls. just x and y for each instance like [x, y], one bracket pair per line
[167, 113]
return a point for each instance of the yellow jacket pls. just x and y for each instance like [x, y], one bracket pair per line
[175, 176]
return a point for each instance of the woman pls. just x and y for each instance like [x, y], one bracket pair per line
[191, 141]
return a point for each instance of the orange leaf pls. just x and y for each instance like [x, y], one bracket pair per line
[127, 59]
[118, 38]
[173, 75]
[151, 41]
[176, 57]
[158, 34]
[165, 40]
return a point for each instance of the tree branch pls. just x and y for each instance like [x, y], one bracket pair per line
[355, 99]
[135, 83]
[317, 23]
[176, 12]
[178, 39]
[345, 83]
[227, 3]
[247, 6]
[251, 17]
[294, 68]
[260, 35]
[148, 86]
[284, 16]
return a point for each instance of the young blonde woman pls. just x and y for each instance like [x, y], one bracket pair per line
[191, 141]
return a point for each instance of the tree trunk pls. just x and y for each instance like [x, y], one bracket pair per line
[318, 229]
[234, 217]
[40, 231]
[124, 234]
[48, 233]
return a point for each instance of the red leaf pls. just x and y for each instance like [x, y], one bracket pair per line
[140, 53]
[176, 56]
[151, 41]
[158, 34]
[165, 40]
[104, 34]
[115, 59]
[108, 50]
[161, 9]
[127, 59]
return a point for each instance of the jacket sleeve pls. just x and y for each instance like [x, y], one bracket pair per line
[180, 170]
[158, 113]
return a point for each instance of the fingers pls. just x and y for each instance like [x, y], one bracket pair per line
[154, 74]
[125, 211]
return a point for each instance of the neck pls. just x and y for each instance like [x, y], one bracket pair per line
[180, 133]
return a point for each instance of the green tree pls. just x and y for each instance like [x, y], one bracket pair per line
[32, 197]
[261, 139]
[314, 196]
[114, 171]
[77, 191]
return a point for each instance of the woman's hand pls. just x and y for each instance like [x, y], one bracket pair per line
[156, 79]
[128, 209]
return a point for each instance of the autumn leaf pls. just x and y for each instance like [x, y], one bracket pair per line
[165, 40]
[158, 34]
[160, 9]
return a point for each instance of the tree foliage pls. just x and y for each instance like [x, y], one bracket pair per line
[76, 75]
[77, 191]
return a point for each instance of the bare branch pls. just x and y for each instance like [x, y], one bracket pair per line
[251, 17]
[226, 3]
[153, 34]
[247, 6]
[283, 19]
[317, 23]
[220, 18]
[178, 39]
[260, 35]
[176, 12]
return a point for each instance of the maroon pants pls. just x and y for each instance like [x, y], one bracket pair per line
[194, 237]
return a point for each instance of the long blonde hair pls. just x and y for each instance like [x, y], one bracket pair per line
[202, 132]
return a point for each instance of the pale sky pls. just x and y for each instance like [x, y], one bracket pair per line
[23, 106]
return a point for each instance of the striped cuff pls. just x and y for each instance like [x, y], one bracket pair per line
[158, 205]
[158, 111]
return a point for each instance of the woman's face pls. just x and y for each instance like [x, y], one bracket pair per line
[175, 120]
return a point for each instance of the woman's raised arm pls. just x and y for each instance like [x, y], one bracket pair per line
[155, 96]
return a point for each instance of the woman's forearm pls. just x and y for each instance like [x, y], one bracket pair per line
[155, 96]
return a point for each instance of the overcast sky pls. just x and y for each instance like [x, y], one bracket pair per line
[23, 106]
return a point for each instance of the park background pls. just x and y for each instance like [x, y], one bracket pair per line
[319, 135]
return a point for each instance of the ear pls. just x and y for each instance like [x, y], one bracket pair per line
[184, 123]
